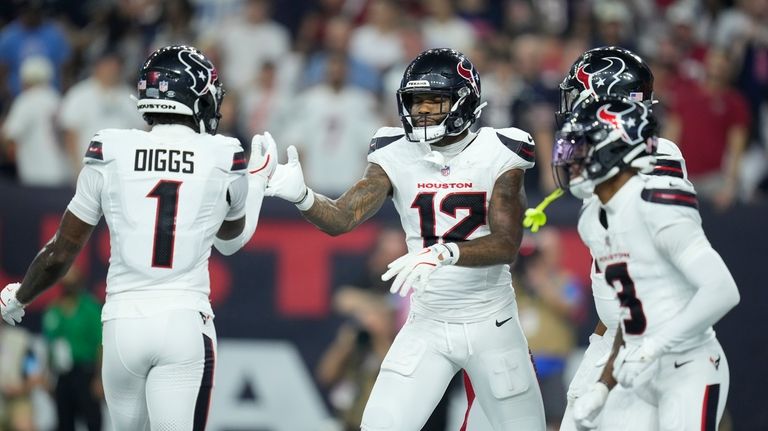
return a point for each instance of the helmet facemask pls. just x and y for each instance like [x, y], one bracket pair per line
[443, 74]
[432, 127]
[588, 152]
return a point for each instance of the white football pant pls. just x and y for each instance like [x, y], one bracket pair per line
[623, 409]
[689, 389]
[427, 353]
[158, 371]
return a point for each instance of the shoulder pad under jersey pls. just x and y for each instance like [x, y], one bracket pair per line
[385, 136]
[518, 141]
[101, 148]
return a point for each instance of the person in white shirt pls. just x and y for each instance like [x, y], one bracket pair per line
[98, 102]
[377, 42]
[167, 196]
[460, 199]
[334, 155]
[30, 128]
[645, 236]
[248, 40]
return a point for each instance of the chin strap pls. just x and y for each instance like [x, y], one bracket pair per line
[535, 218]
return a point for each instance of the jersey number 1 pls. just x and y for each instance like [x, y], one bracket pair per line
[636, 323]
[167, 195]
[474, 202]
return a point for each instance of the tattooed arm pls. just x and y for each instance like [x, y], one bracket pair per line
[55, 258]
[505, 216]
[355, 206]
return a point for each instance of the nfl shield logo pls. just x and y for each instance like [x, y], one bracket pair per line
[446, 170]
[142, 84]
[163, 86]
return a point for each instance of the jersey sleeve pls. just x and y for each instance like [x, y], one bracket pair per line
[86, 204]
[521, 152]
[683, 242]
[237, 195]
[98, 151]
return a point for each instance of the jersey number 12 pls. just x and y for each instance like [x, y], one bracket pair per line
[473, 201]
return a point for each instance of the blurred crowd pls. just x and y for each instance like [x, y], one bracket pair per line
[321, 74]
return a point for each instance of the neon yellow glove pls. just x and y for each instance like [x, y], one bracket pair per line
[535, 217]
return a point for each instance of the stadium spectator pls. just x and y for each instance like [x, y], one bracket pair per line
[30, 128]
[328, 136]
[710, 121]
[72, 328]
[377, 42]
[251, 38]
[18, 375]
[31, 34]
[338, 31]
[443, 28]
[99, 102]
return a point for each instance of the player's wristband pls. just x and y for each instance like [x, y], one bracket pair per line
[307, 201]
[451, 255]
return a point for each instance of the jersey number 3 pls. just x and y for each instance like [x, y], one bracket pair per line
[167, 195]
[636, 323]
[474, 202]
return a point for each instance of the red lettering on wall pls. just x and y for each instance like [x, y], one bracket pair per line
[303, 262]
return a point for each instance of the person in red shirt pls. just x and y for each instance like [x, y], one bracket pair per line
[710, 122]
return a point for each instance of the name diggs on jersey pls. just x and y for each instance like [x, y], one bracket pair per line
[160, 160]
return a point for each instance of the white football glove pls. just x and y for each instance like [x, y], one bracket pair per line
[413, 269]
[11, 309]
[591, 367]
[588, 406]
[263, 156]
[634, 360]
[288, 182]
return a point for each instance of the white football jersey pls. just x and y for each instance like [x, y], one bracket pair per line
[448, 202]
[633, 282]
[164, 194]
[669, 163]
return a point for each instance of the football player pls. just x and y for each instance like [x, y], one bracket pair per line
[645, 236]
[460, 199]
[166, 195]
[616, 71]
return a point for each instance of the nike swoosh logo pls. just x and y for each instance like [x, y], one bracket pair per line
[498, 324]
[682, 363]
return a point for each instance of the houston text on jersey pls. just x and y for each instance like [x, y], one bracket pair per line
[444, 185]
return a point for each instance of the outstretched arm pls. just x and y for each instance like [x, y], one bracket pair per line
[505, 216]
[356, 205]
[55, 258]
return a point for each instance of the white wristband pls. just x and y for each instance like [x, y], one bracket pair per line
[452, 253]
[307, 201]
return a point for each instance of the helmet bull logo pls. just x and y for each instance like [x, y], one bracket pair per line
[616, 120]
[202, 74]
[468, 74]
[612, 70]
